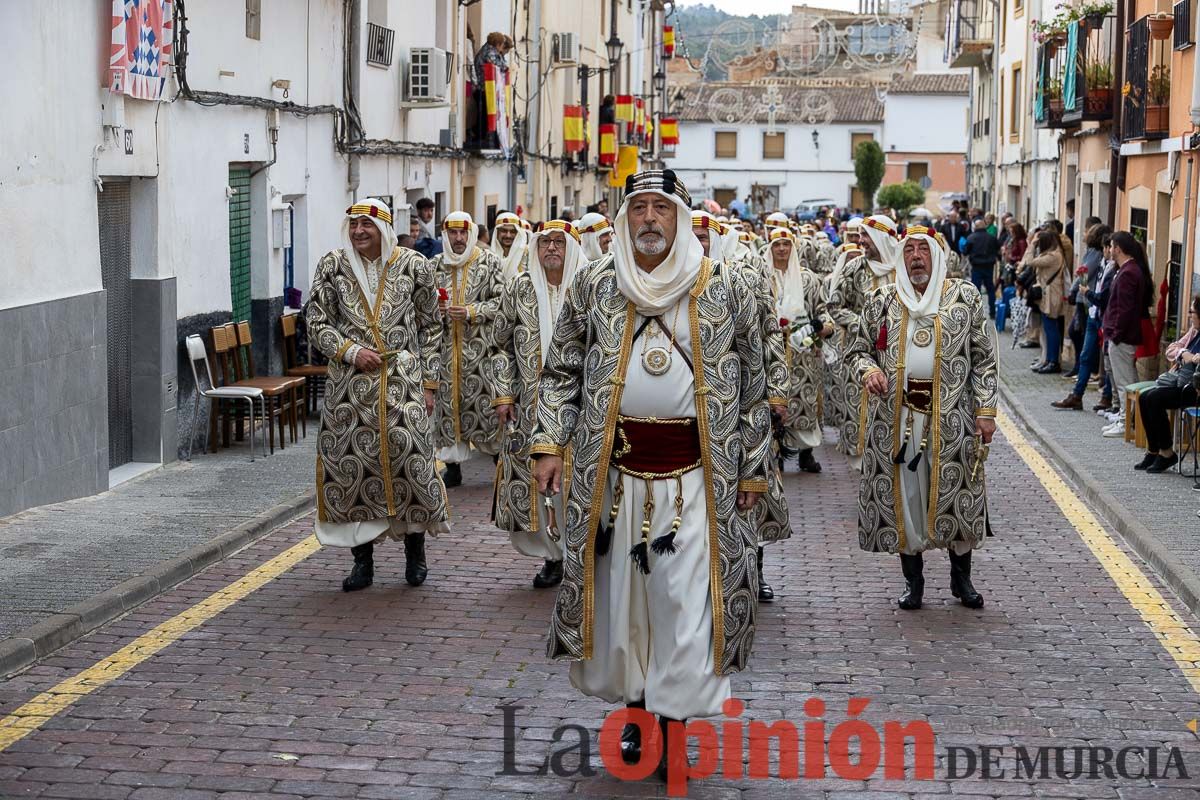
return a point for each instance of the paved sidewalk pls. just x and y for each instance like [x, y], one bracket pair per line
[1163, 505]
[53, 557]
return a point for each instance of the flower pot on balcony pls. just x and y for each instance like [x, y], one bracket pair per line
[1094, 21]
[1157, 118]
[1059, 38]
[1098, 101]
[1160, 25]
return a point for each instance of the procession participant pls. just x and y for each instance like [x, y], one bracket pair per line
[373, 314]
[772, 520]
[655, 376]
[834, 412]
[826, 254]
[849, 289]
[778, 219]
[510, 244]
[800, 309]
[851, 230]
[522, 332]
[470, 283]
[925, 345]
[595, 232]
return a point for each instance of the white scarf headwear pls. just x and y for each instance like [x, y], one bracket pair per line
[541, 287]
[789, 286]
[778, 219]
[512, 261]
[882, 231]
[590, 227]
[378, 212]
[654, 293]
[459, 219]
[927, 304]
[716, 242]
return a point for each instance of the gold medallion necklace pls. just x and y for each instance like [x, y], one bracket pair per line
[657, 360]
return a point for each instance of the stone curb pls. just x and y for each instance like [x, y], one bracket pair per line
[25, 647]
[1182, 580]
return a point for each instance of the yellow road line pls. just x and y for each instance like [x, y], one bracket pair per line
[1173, 633]
[31, 716]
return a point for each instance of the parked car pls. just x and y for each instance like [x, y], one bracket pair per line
[809, 209]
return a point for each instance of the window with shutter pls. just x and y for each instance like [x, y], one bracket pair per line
[773, 145]
[726, 144]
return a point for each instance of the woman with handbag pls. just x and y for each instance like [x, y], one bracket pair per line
[1175, 388]
[1048, 266]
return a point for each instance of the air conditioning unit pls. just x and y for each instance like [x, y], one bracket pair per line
[427, 76]
[566, 47]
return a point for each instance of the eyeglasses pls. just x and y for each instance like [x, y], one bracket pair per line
[546, 244]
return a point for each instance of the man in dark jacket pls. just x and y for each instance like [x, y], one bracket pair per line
[983, 250]
[952, 229]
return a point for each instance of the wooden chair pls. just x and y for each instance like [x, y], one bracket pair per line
[1134, 431]
[313, 374]
[285, 391]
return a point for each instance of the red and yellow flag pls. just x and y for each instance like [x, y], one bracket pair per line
[668, 41]
[668, 131]
[489, 93]
[572, 129]
[627, 164]
[608, 145]
[639, 120]
[625, 108]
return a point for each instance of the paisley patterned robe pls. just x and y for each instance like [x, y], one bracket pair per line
[965, 386]
[771, 511]
[846, 300]
[805, 369]
[579, 398]
[464, 407]
[357, 480]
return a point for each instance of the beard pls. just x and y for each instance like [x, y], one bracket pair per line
[650, 242]
[919, 279]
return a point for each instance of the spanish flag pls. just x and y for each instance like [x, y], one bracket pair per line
[608, 145]
[668, 131]
[639, 122]
[627, 164]
[625, 108]
[668, 41]
[489, 94]
[572, 129]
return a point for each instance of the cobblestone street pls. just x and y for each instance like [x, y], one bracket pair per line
[295, 689]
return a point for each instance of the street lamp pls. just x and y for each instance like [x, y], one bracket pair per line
[660, 83]
[614, 46]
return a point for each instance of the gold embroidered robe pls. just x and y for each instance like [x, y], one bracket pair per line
[847, 297]
[964, 387]
[805, 369]
[357, 480]
[464, 408]
[579, 406]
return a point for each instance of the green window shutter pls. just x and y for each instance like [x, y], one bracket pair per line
[239, 242]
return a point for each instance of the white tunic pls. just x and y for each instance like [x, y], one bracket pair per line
[653, 633]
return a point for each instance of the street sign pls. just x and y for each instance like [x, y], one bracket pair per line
[926, 182]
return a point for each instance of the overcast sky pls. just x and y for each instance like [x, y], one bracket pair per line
[768, 6]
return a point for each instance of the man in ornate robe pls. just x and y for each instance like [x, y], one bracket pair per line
[469, 283]
[926, 347]
[373, 314]
[848, 291]
[510, 244]
[655, 379]
[595, 234]
[799, 307]
[835, 394]
[718, 241]
[523, 328]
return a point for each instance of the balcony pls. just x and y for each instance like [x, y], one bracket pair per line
[971, 32]
[1052, 59]
[1184, 12]
[1088, 79]
[1147, 91]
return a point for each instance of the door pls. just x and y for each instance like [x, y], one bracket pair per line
[239, 242]
[113, 207]
[724, 197]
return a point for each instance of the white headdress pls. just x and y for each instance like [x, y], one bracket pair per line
[459, 220]
[922, 305]
[882, 232]
[653, 293]
[378, 212]
[541, 287]
[591, 226]
[789, 286]
[516, 252]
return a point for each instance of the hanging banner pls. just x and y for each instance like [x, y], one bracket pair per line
[668, 41]
[668, 131]
[573, 138]
[625, 108]
[639, 120]
[608, 145]
[627, 163]
[140, 47]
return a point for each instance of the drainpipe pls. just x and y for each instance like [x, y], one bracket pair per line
[533, 134]
[354, 35]
[995, 123]
[1184, 270]
[1116, 167]
[457, 47]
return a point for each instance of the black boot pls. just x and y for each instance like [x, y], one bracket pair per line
[414, 559]
[914, 582]
[807, 462]
[363, 572]
[452, 476]
[960, 580]
[551, 575]
[668, 763]
[631, 737]
[765, 593]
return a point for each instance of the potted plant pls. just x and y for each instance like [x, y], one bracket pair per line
[1160, 25]
[1098, 79]
[1095, 12]
[1158, 96]
[1054, 98]
[1048, 34]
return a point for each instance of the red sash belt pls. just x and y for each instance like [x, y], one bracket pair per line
[653, 448]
